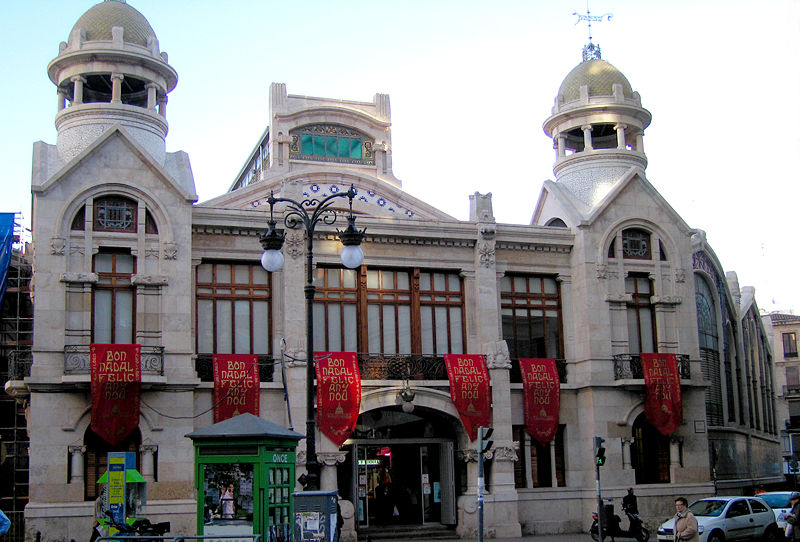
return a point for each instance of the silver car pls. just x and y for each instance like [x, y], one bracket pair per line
[721, 519]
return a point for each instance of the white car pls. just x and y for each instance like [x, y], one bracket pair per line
[728, 518]
[779, 502]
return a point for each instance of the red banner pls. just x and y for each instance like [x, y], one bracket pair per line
[116, 383]
[338, 394]
[662, 407]
[237, 387]
[470, 391]
[542, 392]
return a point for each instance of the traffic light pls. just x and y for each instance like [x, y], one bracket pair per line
[484, 445]
[599, 451]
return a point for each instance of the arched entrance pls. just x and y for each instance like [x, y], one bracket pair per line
[649, 453]
[400, 469]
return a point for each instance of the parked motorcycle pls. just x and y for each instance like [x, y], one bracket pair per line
[612, 527]
[135, 527]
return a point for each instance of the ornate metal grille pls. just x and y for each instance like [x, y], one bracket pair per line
[401, 367]
[19, 364]
[629, 366]
[77, 360]
[636, 244]
[331, 143]
[204, 366]
[115, 214]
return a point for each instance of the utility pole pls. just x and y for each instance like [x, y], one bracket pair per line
[484, 446]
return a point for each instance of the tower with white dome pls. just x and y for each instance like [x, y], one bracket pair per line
[111, 71]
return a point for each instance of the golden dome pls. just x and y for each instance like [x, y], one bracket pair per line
[102, 17]
[598, 75]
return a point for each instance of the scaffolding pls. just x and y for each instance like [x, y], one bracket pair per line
[16, 339]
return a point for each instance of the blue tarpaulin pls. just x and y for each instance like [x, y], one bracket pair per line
[6, 242]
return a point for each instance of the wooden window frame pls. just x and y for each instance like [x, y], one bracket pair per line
[640, 302]
[216, 297]
[530, 301]
[789, 339]
[453, 298]
[119, 282]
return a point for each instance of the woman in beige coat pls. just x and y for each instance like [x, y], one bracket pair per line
[685, 522]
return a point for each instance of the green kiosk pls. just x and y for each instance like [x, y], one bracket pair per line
[245, 477]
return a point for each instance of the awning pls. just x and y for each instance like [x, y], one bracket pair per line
[131, 475]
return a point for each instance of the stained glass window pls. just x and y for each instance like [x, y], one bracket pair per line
[331, 143]
[636, 244]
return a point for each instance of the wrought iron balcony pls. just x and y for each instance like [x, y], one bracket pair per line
[204, 366]
[791, 390]
[77, 360]
[19, 364]
[516, 375]
[401, 367]
[629, 366]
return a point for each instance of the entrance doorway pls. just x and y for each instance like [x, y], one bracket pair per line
[400, 469]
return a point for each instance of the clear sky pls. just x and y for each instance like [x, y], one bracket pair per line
[470, 84]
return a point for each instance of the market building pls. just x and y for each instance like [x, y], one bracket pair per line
[605, 272]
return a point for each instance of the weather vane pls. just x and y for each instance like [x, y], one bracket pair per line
[590, 50]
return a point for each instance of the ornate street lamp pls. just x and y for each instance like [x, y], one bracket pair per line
[306, 214]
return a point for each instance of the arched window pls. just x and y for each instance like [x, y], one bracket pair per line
[79, 220]
[636, 244]
[649, 453]
[95, 460]
[556, 223]
[708, 338]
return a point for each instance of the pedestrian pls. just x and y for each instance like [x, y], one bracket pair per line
[792, 531]
[5, 523]
[685, 522]
[226, 502]
[629, 503]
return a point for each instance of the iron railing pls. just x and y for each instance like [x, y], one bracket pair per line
[19, 364]
[204, 366]
[629, 366]
[77, 360]
[791, 390]
[516, 374]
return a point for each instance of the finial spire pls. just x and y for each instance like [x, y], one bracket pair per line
[590, 50]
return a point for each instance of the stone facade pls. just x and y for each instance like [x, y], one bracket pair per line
[598, 230]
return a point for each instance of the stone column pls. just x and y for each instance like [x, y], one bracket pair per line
[147, 453]
[551, 448]
[62, 99]
[162, 105]
[626, 452]
[620, 128]
[675, 444]
[640, 142]
[562, 146]
[329, 461]
[152, 95]
[116, 88]
[77, 89]
[587, 137]
[76, 463]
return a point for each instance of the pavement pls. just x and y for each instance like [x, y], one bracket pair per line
[576, 537]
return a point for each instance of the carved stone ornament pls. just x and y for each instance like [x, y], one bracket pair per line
[79, 277]
[150, 280]
[331, 459]
[497, 356]
[294, 244]
[170, 251]
[486, 252]
[151, 253]
[667, 300]
[301, 458]
[505, 453]
[602, 271]
[469, 455]
[57, 246]
[148, 448]
[76, 449]
[680, 275]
